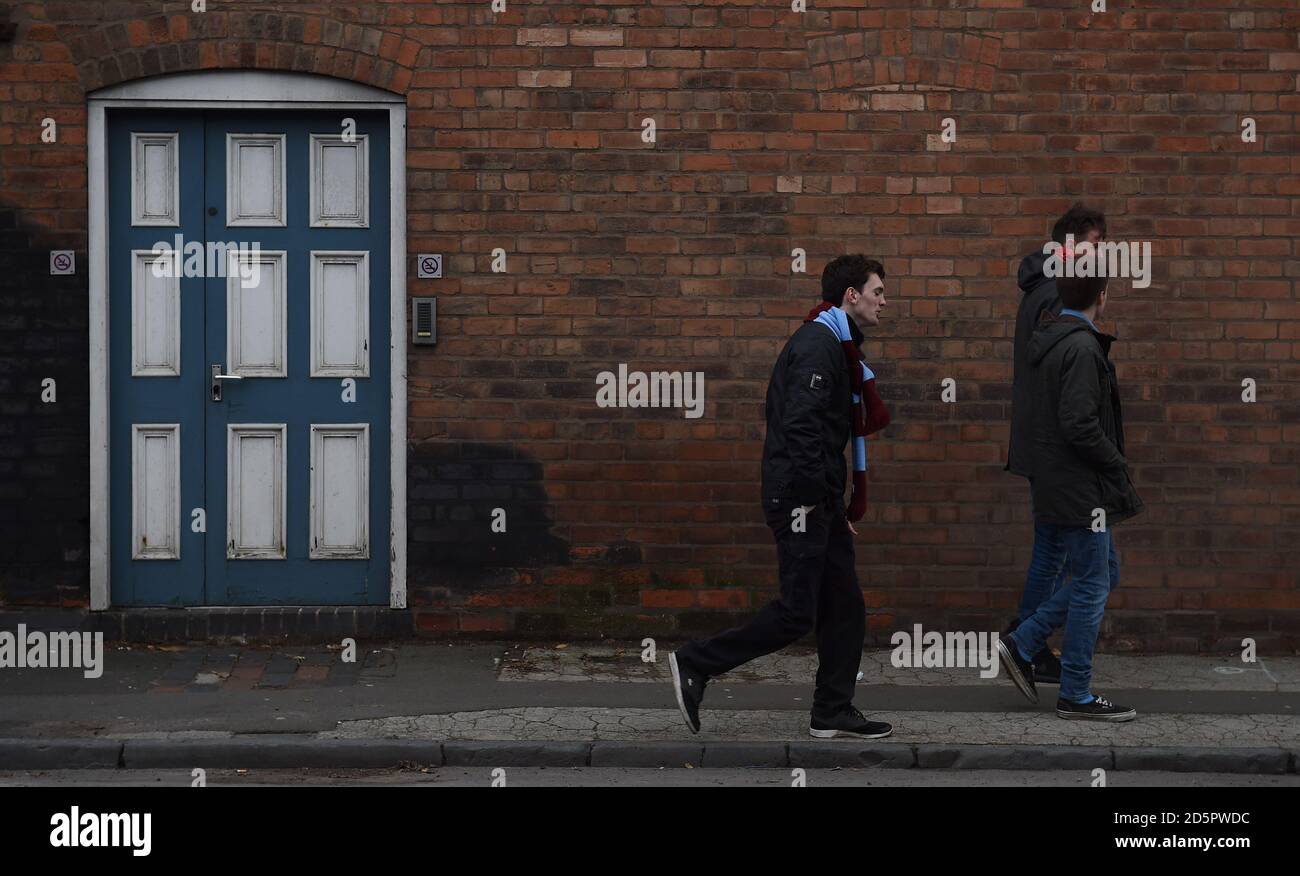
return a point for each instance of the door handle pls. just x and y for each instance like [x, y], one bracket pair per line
[217, 377]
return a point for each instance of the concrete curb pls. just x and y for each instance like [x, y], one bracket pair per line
[1189, 760]
[1016, 757]
[646, 754]
[60, 754]
[289, 751]
[279, 752]
[515, 754]
[848, 754]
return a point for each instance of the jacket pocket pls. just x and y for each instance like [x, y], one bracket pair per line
[1113, 486]
[1132, 499]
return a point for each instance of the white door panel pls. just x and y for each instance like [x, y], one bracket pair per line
[255, 192]
[340, 170]
[155, 179]
[340, 491]
[156, 491]
[155, 315]
[256, 314]
[255, 491]
[340, 314]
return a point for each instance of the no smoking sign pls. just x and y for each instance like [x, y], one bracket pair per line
[428, 266]
[63, 261]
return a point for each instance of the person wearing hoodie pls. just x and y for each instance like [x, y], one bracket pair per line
[1047, 566]
[1081, 488]
[820, 394]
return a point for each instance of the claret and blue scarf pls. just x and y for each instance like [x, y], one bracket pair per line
[869, 412]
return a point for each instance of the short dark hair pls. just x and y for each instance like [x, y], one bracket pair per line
[1079, 293]
[846, 271]
[1078, 221]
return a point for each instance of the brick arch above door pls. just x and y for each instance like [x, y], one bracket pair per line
[306, 43]
[906, 59]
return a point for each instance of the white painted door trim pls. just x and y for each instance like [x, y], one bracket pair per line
[241, 89]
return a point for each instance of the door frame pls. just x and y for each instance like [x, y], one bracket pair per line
[241, 89]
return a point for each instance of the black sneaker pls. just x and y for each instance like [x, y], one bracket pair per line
[1047, 667]
[1100, 709]
[849, 723]
[689, 687]
[1020, 670]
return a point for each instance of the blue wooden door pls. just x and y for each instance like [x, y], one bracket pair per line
[249, 394]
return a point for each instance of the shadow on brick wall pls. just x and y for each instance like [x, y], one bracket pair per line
[44, 449]
[453, 489]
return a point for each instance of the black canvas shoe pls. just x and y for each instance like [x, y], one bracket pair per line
[688, 685]
[1047, 667]
[1019, 670]
[848, 724]
[1100, 709]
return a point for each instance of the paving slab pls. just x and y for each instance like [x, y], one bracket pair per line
[503, 703]
[582, 662]
[910, 728]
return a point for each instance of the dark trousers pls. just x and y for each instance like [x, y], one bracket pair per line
[1048, 569]
[819, 590]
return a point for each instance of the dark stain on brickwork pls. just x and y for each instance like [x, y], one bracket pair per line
[44, 446]
[453, 489]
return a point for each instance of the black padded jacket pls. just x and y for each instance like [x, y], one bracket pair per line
[809, 417]
[1077, 427]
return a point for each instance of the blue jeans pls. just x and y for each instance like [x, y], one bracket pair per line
[1093, 565]
[1047, 568]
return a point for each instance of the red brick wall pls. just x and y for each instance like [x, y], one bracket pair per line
[776, 130]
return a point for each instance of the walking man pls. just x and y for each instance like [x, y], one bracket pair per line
[820, 393]
[1047, 567]
[1081, 488]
